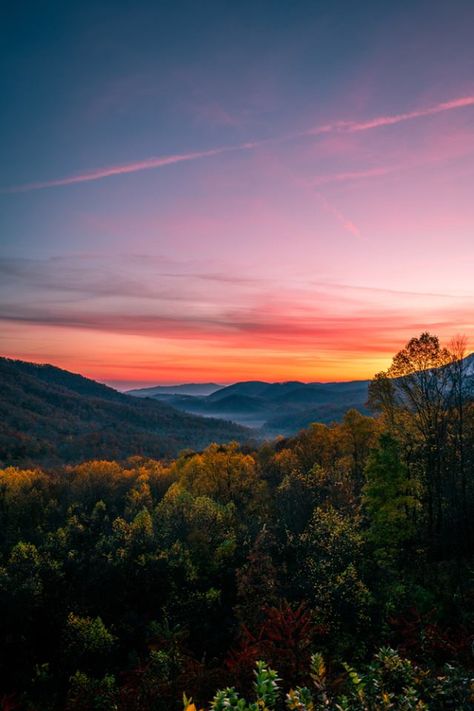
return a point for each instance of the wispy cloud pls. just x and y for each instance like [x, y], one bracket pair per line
[348, 225]
[391, 119]
[353, 175]
[79, 278]
[369, 328]
[455, 144]
[460, 103]
[272, 327]
[163, 161]
[135, 167]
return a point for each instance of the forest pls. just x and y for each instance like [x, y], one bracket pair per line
[52, 417]
[329, 570]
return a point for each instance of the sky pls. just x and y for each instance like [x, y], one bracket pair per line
[230, 190]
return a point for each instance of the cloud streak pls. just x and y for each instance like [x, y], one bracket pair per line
[124, 168]
[347, 224]
[269, 311]
[391, 119]
[293, 329]
[354, 175]
[163, 161]
[304, 328]
[460, 103]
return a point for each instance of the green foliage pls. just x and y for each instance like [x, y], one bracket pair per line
[390, 501]
[266, 686]
[87, 636]
[266, 692]
[333, 548]
[388, 682]
[89, 694]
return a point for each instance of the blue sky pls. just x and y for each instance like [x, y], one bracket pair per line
[349, 176]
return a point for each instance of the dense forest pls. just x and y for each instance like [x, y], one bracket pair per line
[51, 416]
[330, 570]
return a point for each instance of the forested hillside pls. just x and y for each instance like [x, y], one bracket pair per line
[341, 557]
[51, 416]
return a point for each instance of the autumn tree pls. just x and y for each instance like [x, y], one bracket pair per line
[418, 386]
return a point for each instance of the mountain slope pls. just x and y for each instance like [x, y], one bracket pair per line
[50, 416]
[249, 388]
[184, 389]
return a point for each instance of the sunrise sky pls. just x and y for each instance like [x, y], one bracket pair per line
[194, 191]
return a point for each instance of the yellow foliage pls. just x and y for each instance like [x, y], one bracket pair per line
[224, 474]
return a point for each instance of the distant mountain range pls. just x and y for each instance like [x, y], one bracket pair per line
[275, 408]
[272, 408]
[51, 416]
[185, 389]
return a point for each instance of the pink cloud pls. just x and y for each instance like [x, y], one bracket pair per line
[353, 175]
[250, 327]
[431, 149]
[460, 103]
[348, 225]
[135, 167]
[389, 120]
[162, 161]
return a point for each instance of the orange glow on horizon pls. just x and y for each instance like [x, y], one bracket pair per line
[126, 361]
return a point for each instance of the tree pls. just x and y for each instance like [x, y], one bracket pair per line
[226, 475]
[333, 554]
[419, 385]
[389, 501]
[87, 642]
[461, 394]
[359, 432]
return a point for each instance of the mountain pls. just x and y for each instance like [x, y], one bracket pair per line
[52, 416]
[250, 388]
[276, 408]
[184, 389]
[469, 365]
[284, 408]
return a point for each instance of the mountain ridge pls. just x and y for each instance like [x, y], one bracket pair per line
[179, 389]
[276, 408]
[282, 407]
[52, 416]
